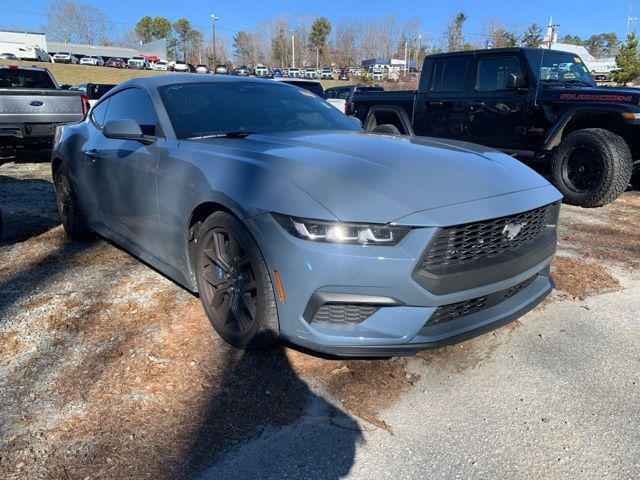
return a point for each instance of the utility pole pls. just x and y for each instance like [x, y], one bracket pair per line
[293, 49]
[629, 20]
[317, 58]
[406, 69]
[213, 40]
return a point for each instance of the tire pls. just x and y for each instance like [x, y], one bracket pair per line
[591, 167]
[234, 283]
[71, 214]
[387, 129]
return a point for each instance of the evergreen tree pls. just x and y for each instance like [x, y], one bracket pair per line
[628, 61]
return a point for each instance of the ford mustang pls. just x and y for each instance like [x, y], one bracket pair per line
[292, 223]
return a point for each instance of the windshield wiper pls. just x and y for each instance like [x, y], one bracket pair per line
[231, 134]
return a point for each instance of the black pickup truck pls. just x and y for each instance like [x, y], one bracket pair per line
[536, 104]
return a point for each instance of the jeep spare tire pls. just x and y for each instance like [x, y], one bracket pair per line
[591, 167]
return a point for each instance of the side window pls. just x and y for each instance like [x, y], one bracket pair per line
[97, 113]
[493, 73]
[449, 75]
[343, 93]
[134, 104]
[330, 93]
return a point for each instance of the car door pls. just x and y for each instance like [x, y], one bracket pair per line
[441, 108]
[498, 115]
[125, 173]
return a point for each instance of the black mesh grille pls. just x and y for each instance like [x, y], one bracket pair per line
[473, 241]
[343, 313]
[461, 309]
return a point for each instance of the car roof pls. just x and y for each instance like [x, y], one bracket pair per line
[486, 51]
[301, 80]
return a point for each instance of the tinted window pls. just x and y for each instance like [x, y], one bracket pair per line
[449, 75]
[97, 113]
[493, 73]
[209, 108]
[559, 67]
[133, 104]
[343, 93]
[17, 78]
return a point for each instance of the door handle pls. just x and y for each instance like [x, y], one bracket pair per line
[478, 103]
[92, 153]
[435, 103]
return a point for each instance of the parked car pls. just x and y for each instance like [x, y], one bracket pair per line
[138, 63]
[32, 105]
[161, 65]
[116, 62]
[261, 71]
[377, 75]
[202, 69]
[313, 86]
[243, 71]
[342, 97]
[294, 72]
[94, 60]
[538, 104]
[344, 74]
[8, 56]
[326, 73]
[345, 248]
[277, 72]
[181, 67]
[93, 91]
[65, 57]
[221, 69]
[310, 73]
[33, 53]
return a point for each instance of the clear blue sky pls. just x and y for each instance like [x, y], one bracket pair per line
[578, 17]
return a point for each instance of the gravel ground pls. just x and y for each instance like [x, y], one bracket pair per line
[109, 370]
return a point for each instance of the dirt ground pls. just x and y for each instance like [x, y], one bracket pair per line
[109, 370]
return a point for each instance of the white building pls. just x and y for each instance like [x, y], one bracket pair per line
[12, 40]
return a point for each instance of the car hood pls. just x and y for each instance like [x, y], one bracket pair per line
[378, 178]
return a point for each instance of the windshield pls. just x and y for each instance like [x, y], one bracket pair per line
[313, 87]
[559, 68]
[209, 108]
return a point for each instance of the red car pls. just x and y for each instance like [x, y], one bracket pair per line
[116, 62]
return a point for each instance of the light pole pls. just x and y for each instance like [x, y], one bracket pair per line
[317, 58]
[293, 49]
[213, 40]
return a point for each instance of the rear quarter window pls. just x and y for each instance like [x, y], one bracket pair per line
[449, 75]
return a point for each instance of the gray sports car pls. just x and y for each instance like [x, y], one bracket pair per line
[291, 222]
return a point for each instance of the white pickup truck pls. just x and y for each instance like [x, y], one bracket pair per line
[32, 105]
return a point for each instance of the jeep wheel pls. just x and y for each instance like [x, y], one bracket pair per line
[591, 167]
[387, 129]
[234, 283]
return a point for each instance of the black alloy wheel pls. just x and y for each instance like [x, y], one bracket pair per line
[234, 283]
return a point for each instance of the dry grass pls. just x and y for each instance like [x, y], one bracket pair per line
[580, 279]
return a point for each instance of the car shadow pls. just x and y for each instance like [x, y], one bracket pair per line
[265, 422]
[27, 208]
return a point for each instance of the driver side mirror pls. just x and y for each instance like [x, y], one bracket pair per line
[515, 81]
[126, 130]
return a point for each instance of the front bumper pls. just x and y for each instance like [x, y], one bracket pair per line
[381, 276]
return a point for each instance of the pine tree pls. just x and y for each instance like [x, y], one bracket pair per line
[532, 37]
[628, 61]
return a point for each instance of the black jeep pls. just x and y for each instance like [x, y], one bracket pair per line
[537, 104]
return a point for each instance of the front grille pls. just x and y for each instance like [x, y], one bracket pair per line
[343, 312]
[446, 313]
[473, 241]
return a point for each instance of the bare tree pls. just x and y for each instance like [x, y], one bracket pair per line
[454, 33]
[72, 22]
[345, 42]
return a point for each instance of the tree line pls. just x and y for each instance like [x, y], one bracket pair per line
[273, 41]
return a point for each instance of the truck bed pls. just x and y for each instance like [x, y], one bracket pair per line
[26, 105]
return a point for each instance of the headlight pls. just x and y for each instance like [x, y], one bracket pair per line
[339, 232]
